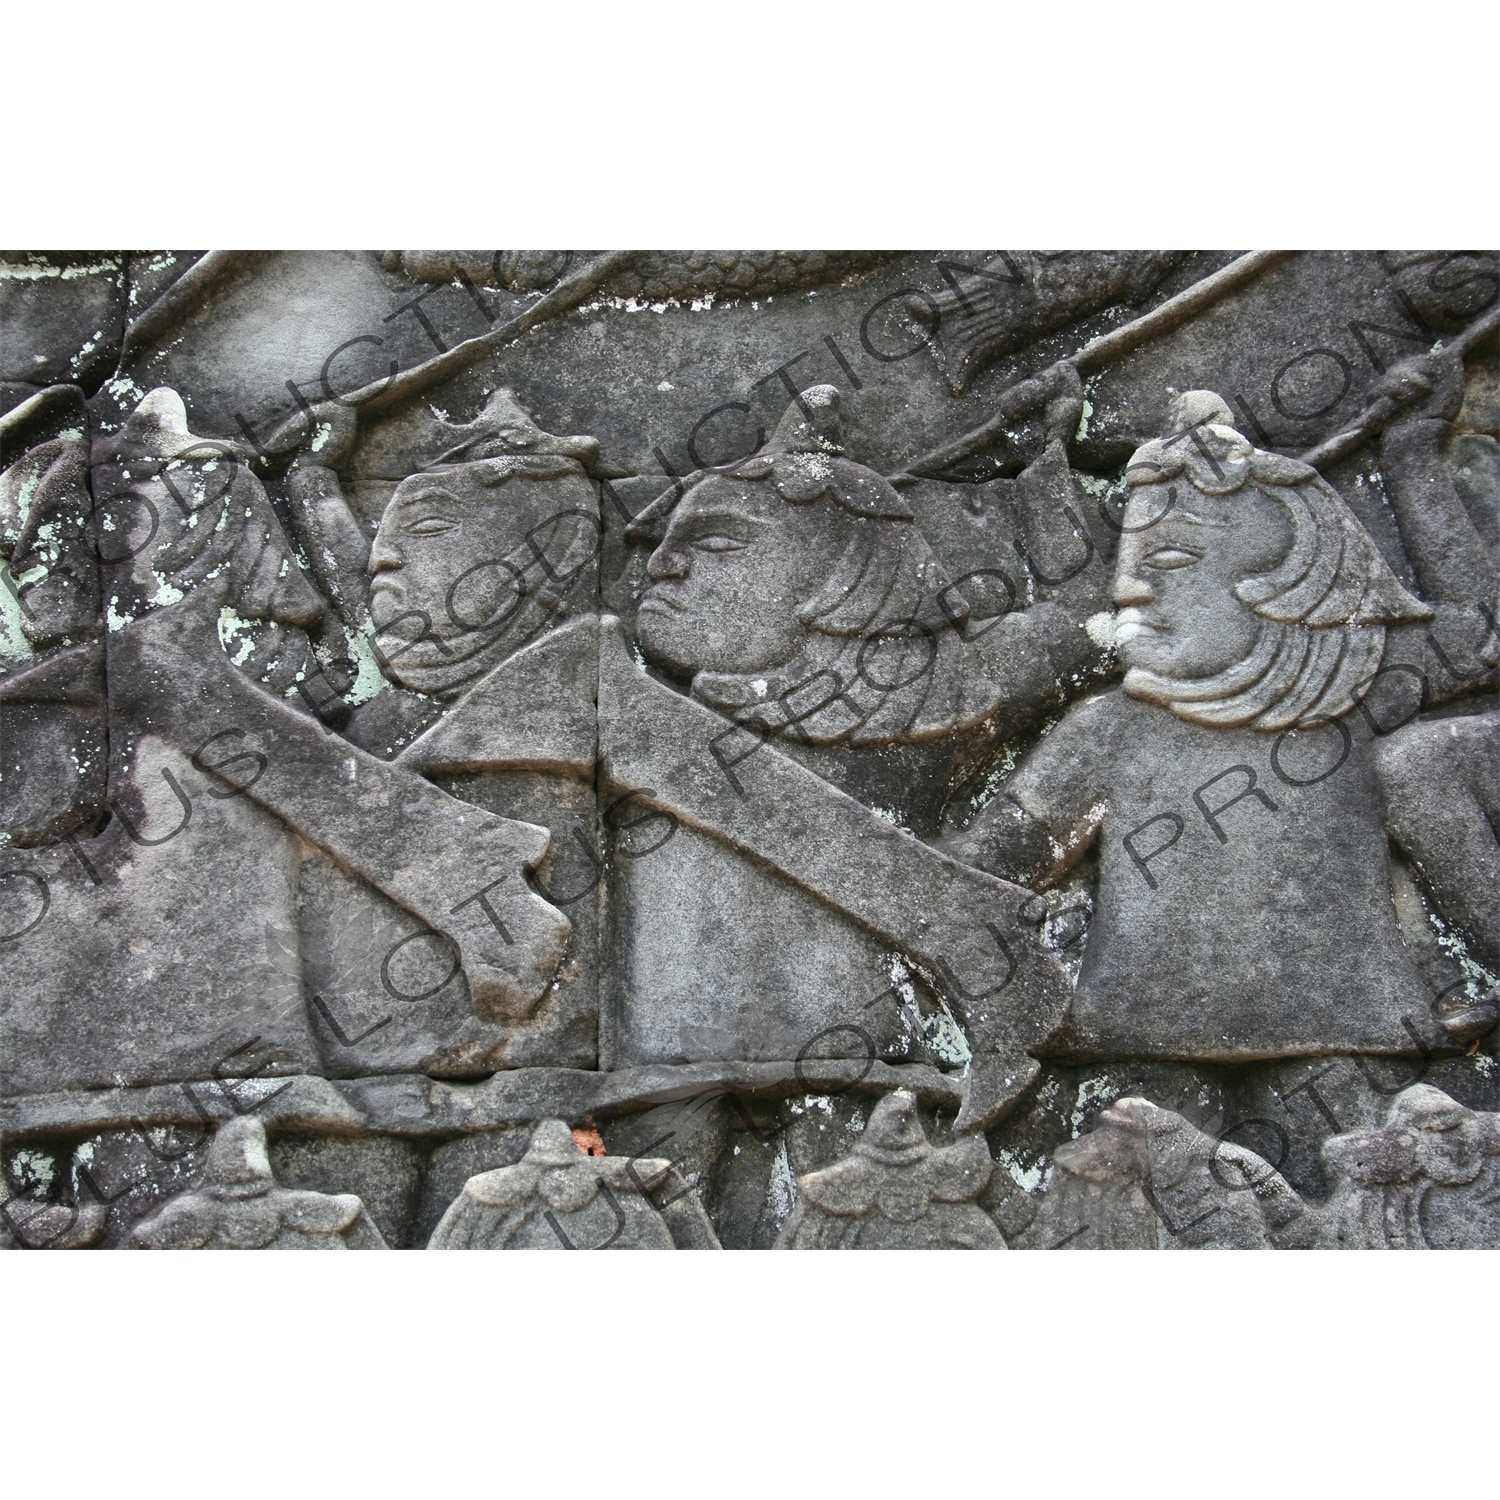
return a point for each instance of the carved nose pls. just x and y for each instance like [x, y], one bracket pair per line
[1131, 590]
[666, 563]
[383, 556]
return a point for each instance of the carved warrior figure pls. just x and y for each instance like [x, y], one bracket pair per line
[1145, 1178]
[221, 778]
[797, 595]
[478, 560]
[896, 1191]
[484, 549]
[482, 581]
[1428, 1179]
[559, 1198]
[1244, 897]
[238, 1206]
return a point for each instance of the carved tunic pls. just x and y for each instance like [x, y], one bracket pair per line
[1240, 915]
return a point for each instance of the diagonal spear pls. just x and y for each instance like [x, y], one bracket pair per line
[217, 268]
[1031, 395]
[565, 296]
[1384, 409]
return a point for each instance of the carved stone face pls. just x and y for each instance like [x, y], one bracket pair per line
[458, 563]
[1176, 574]
[735, 566]
[432, 530]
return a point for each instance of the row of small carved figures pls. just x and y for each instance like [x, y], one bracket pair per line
[1144, 1177]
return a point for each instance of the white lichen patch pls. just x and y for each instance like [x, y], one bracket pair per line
[1091, 1092]
[40, 271]
[14, 647]
[113, 620]
[33, 1171]
[945, 1040]
[781, 1191]
[1031, 1178]
[1101, 629]
[369, 681]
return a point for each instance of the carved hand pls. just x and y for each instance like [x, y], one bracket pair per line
[280, 653]
[1430, 385]
[323, 441]
[1064, 401]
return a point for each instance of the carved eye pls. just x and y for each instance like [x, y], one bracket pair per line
[429, 526]
[718, 542]
[1167, 558]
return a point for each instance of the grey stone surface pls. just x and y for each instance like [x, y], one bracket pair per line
[895, 1192]
[805, 748]
[558, 1197]
[239, 1206]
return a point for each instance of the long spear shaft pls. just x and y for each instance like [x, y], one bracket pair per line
[1383, 410]
[565, 296]
[1027, 396]
[185, 296]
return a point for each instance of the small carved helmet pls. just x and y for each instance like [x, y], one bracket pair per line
[505, 430]
[804, 460]
[158, 428]
[894, 1135]
[1334, 573]
[237, 1164]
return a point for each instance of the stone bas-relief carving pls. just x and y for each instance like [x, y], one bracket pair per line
[788, 749]
[895, 1192]
[558, 1197]
[238, 1206]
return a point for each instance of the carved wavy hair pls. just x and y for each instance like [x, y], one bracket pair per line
[1324, 608]
[882, 662]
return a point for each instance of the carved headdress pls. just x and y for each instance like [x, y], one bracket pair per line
[539, 484]
[883, 662]
[1324, 608]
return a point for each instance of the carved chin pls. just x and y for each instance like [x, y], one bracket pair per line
[667, 638]
[423, 668]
